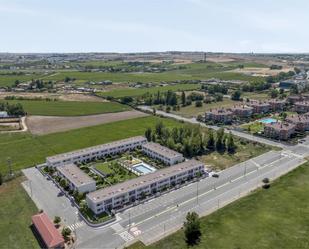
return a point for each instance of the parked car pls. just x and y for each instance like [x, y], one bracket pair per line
[215, 175]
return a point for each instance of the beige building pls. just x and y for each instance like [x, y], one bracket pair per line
[281, 131]
[219, 116]
[301, 122]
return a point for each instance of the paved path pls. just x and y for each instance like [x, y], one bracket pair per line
[236, 133]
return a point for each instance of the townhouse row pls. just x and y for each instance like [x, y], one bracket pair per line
[126, 193]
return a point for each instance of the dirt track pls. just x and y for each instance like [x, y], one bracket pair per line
[41, 125]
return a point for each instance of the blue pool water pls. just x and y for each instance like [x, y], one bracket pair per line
[143, 168]
[268, 120]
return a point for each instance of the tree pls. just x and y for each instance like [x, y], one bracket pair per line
[192, 229]
[159, 128]
[220, 146]
[148, 134]
[236, 95]
[198, 103]
[57, 220]
[1, 179]
[230, 144]
[210, 141]
[63, 183]
[66, 232]
[183, 98]
[274, 93]
[154, 111]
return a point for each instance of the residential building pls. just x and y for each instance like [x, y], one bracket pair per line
[164, 154]
[277, 104]
[259, 107]
[301, 107]
[242, 111]
[300, 121]
[281, 131]
[96, 152]
[300, 84]
[122, 194]
[292, 99]
[219, 116]
[77, 179]
[49, 235]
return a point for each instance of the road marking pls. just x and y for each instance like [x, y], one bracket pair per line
[76, 225]
[126, 236]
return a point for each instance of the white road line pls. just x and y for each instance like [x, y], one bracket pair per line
[126, 236]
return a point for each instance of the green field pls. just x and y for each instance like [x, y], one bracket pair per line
[9, 80]
[192, 71]
[118, 93]
[16, 210]
[274, 218]
[26, 150]
[68, 108]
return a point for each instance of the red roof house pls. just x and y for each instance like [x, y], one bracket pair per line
[48, 232]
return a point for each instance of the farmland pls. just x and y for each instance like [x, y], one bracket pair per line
[138, 92]
[68, 108]
[272, 218]
[9, 80]
[15, 212]
[26, 150]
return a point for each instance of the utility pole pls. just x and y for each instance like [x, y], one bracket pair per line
[245, 171]
[30, 185]
[9, 161]
[197, 190]
[204, 57]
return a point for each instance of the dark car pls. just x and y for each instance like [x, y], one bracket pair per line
[215, 175]
[60, 194]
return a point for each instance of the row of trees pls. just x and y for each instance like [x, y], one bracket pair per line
[165, 98]
[191, 140]
[12, 109]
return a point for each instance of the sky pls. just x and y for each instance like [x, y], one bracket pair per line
[260, 26]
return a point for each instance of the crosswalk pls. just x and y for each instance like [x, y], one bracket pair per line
[76, 225]
[126, 236]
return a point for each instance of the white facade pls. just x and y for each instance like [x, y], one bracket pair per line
[166, 155]
[119, 195]
[95, 152]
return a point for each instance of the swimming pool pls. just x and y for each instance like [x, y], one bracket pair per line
[143, 168]
[268, 120]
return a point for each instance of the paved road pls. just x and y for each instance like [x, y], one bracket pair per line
[159, 217]
[236, 133]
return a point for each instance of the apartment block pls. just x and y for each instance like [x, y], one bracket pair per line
[96, 152]
[300, 121]
[166, 155]
[77, 179]
[122, 194]
[277, 104]
[301, 107]
[242, 111]
[219, 116]
[281, 131]
[260, 107]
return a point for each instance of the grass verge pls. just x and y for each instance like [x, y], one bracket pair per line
[274, 218]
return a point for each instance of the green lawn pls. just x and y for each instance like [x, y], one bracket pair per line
[245, 150]
[104, 167]
[16, 210]
[274, 218]
[68, 108]
[253, 127]
[26, 150]
[9, 80]
[133, 92]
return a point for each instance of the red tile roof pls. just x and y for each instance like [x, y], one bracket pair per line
[47, 230]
